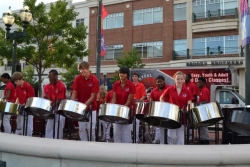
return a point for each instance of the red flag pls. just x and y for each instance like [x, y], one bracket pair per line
[104, 12]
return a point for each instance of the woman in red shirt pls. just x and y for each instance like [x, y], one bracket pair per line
[180, 96]
[10, 96]
[123, 94]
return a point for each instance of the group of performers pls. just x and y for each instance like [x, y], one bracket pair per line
[86, 89]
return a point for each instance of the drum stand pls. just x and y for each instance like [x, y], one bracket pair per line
[25, 123]
[54, 126]
[134, 130]
[90, 131]
[1, 124]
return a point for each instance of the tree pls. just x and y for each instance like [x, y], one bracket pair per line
[69, 76]
[131, 59]
[51, 39]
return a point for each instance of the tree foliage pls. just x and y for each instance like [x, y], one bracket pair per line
[69, 76]
[51, 39]
[131, 59]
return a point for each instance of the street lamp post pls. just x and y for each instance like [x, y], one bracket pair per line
[8, 20]
[104, 76]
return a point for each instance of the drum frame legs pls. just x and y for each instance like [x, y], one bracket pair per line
[1, 125]
[90, 131]
[134, 130]
[54, 126]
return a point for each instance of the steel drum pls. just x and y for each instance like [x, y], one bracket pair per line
[9, 108]
[163, 114]
[73, 110]
[239, 120]
[115, 113]
[207, 114]
[39, 107]
[141, 108]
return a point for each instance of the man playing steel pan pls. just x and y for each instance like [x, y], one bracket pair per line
[55, 91]
[9, 96]
[23, 91]
[204, 97]
[180, 96]
[86, 87]
[139, 95]
[123, 94]
[155, 96]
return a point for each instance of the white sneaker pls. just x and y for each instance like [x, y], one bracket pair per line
[156, 141]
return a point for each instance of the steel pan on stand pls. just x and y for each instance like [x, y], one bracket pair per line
[207, 114]
[140, 109]
[165, 115]
[239, 120]
[115, 113]
[73, 110]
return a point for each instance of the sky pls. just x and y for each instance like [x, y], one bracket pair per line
[18, 4]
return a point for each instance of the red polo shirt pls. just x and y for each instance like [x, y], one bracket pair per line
[10, 86]
[192, 87]
[56, 91]
[109, 96]
[170, 95]
[140, 91]
[156, 93]
[85, 87]
[123, 93]
[204, 94]
[24, 92]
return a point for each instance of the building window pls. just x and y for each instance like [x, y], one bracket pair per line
[180, 11]
[228, 45]
[227, 7]
[148, 16]
[79, 21]
[114, 20]
[113, 52]
[180, 47]
[149, 49]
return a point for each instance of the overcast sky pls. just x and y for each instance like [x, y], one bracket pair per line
[18, 4]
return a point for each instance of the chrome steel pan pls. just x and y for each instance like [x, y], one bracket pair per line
[39, 107]
[162, 114]
[239, 120]
[9, 108]
[207, 114]
[115, 113]
[73, 110]
[141, 109]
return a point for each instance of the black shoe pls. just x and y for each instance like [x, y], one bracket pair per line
[204, 142]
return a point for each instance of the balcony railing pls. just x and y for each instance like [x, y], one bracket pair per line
[215, 15]
[208, 52]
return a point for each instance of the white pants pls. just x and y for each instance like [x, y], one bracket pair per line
[122, 133]
[204, 133]
[19, 124]
[50, 127]
[176, 136]
[106, 129]
[6, 123]
[84, 126]
[157, 134]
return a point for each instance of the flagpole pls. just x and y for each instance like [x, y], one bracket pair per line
[98, 58]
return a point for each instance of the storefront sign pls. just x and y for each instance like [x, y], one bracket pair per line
[216, 62]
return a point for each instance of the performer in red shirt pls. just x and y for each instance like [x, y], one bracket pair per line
[101, 98]
[123, 94]
[155, 96]
[56, 91]
[45, 91]
[204, 97]
[9, 96]
[86, 87]
[109, 96]
[180, 96]
[139, 95]
[23, 91]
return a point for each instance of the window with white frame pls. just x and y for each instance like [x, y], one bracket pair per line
[149, 49]
[227, 7]
[228, 45]
[114, 20]
[148, 16]
[180, 11]
[180, 47]
[113, 52]
[79, 21]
